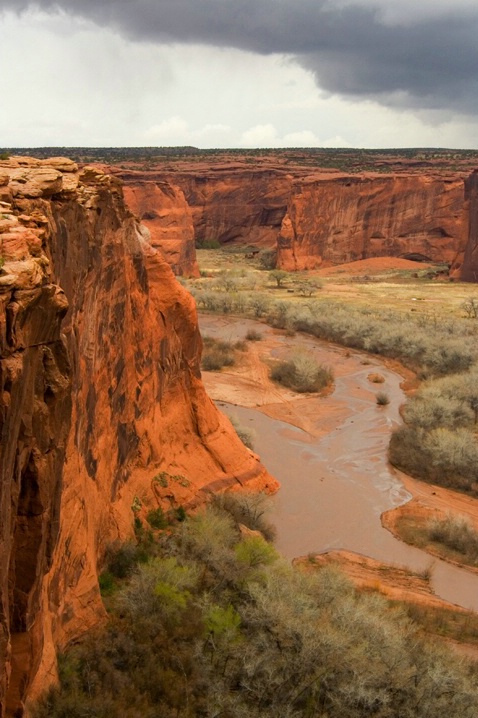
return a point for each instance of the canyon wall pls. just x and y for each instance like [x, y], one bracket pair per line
[162, 208]
[230, 203]
[101, 392]
[347, 218]
[466, 266]
[321, 218]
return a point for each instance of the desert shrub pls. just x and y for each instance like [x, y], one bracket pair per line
[308, 287]
[444, 456]
[457, 533]
[245, 434]
[382, 398]
[122, 558]
[252, 335]
[156, 518]
[217, 354]
[220, 626]
[302, 373]
[267, 259]
[249, 509]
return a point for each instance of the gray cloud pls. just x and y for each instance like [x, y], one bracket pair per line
[353, 50]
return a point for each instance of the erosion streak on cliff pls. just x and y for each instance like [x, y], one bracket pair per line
[91, 416]
[333, 221]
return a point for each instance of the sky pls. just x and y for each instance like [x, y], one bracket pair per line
[239, 73]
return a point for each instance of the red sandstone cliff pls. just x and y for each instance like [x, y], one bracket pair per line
[466, 266]
[91, 408]
[162, 208]
[346, 218]
[230, 202]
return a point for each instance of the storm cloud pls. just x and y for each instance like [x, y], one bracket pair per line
[355, 49]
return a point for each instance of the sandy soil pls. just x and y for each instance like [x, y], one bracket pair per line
[374, 265]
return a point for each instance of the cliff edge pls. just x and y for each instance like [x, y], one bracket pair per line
[101, 392]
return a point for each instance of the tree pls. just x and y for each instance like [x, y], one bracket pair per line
[279, 275]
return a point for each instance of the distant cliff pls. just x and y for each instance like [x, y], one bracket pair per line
[100, 391]
[318, 218]
[347, 218]
[230, 203]
[466, 267]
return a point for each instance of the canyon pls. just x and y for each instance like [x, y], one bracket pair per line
[101, 394]
[312, 217]
[104, 415]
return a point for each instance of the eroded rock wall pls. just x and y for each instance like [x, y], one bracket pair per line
[162, 208]
[466, 266]
[347, 218]
[231, 203]
[92, 409]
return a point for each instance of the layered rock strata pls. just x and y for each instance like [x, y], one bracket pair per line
[103, 413]
[347, 218]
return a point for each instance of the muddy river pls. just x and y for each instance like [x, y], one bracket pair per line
[330, 455]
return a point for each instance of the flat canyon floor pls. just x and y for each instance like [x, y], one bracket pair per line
[246, 391]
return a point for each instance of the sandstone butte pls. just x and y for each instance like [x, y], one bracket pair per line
[313, 217]
[100, 392]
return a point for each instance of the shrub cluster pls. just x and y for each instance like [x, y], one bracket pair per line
[433, 349]
[302, 373]
[438, 441]
[456, 533]
[219, 625]
[218, 353]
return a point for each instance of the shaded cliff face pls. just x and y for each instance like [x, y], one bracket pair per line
[162, 208]
[332, 221]
[229, 203]
[90, 416]
[466, 267]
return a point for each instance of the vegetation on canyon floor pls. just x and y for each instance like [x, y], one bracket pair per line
[438, 441]
[451, 537]
[302, 373]
[215, 623]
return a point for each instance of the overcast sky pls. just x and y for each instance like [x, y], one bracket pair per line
[239, 73]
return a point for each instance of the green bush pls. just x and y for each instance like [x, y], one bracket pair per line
[156, 518]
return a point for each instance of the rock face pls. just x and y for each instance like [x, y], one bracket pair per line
[162, 208]
[230, 203]
[466, 267]
[93, 408]
[347, 218]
